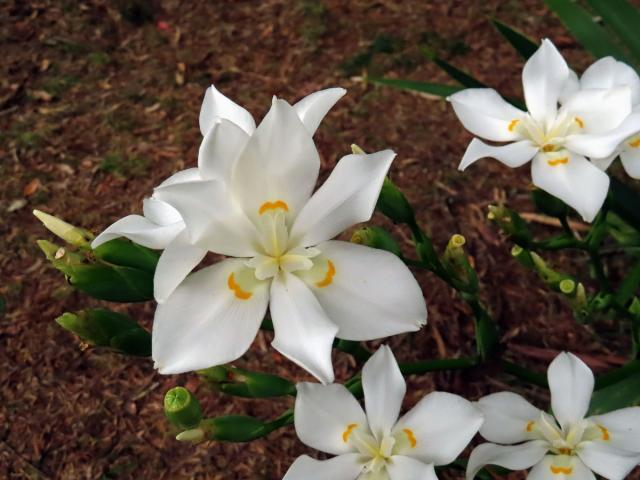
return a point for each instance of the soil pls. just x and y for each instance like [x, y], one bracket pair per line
[99, 102]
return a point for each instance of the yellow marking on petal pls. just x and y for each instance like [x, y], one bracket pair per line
[328, 278]
[278, 204]
[236, 289]
[410, 436]
[549, 148]
[347, 433]
[530, 426]
[635, 143]
[579, 121]
[558, 161]
[605, 433]
[512, 124]
[565, 451]
[557, 470]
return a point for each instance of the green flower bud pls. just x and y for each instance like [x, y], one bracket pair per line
[567, 286]
[105, 328]
[182, 408]
[125, 253]
[78, 237]
[112, 283]
[511, 224]
[522, 256]
[454, 251]
[357, 150]
[234, 428]
[213, 375]
[376, 237]
[245, 383]
[394, 204]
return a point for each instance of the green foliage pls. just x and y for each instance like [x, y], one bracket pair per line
[435, 89]
[182, 408]
[523, 44]
[624, 20]
[621, 394]
[125, 253]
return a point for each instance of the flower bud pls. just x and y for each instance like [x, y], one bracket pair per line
[244, 383]
[182, 408]
[105, 328]
[393, 204]
[112, 282]
[511, 224]
[522, 256]
[125, 253]
[234, 428]
[454, 251]
[78, 237]
[195, 435]
[376, 237]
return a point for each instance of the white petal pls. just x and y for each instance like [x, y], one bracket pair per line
[140, 230]
[216, 106]
[175, 263]
[323, 413]
[543, 470]
[543, 79]
[159, 212]
[204, 323]
[214, 220]
[599, 111]
[622, 428]
[303, 333]
[571, 385]
[507, 417]
[603, 145]
[512, 155]
[442, 426]
[610, 462]
[347, 197]
[570, 88]
[486, 114]
[220, 150]
[186, 175]
[609, 73]
[384, 390]
[372, 294]
[572, 179]
[604, 163]
[279, 163]
[631, 161]
[513, 457]
[312, 108]
[344, 467]
[407, 468]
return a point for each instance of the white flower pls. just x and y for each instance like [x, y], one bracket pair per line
[590, 123]
[610, 73]
[376, 445]
[567, 446]
[162, 227]
[255, 204]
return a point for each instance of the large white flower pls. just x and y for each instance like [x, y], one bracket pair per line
[567, 446]
[590, 123]
[376, 445]
[610, 73]
[255, 204]
[225, 126]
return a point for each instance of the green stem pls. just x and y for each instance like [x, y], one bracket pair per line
[525, 374]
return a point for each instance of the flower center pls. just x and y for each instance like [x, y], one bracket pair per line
[277, 253]
[566, 441]
[549, 137]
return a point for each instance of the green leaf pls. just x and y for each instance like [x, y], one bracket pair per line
[622, 394]
[584, 27]
[115, 284]
[629, 286]
[435, 89]
[523, 44]
[623, 18]
[454, 72]
[624, 201]
[133, 342]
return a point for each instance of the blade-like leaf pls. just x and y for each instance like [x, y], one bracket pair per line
[624, 20]
[522, 44]
[583, 26]
[622, 394]
[434, 89]
[454, 72]
[624, 201]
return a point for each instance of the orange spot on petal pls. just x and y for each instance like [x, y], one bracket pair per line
[557, 470]
[558, 161]
[605, 433]
[410, 436]
[530, 426]
[278, 204]
[236, 289]
[580, 122]
[328, 278]
[347, 433]
[512, 124]
[635, 143]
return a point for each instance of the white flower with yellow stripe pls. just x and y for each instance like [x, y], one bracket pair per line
[376, 445]
[589, 123]
[255, 205]
[568, 446]
[610, 73]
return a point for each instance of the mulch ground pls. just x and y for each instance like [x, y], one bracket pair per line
[99, 102]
